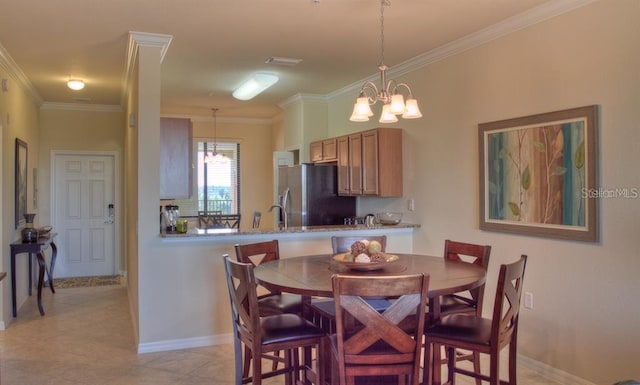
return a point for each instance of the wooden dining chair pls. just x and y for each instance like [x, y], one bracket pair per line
[467, 302]
[206, 219]
[227, 221]
[373, 344]
[321, 311]
[483, 335]
[272, 302]
[263, 335]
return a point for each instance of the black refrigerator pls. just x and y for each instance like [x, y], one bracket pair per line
[309, 192]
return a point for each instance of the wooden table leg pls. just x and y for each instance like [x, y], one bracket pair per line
[434, 351]
[13, 284]
[54, 254]
[42, 267]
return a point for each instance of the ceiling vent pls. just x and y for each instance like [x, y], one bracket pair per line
[282, 61]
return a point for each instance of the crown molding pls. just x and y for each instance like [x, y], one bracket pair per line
[147, 39]
[304, 98]
[136, 40]
[231, 120]
[81, 107]
[515, 23]
[12, 68]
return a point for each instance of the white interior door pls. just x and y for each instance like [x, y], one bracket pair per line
[83, 191]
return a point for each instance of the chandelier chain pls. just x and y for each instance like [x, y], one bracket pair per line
[382, 4]
[389, 93]
[215, 130]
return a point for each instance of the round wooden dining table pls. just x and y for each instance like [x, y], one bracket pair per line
[310, 275]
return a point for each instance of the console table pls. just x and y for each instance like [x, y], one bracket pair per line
[38, 249]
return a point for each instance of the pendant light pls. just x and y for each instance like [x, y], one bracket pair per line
[215, 156]
[389, 93]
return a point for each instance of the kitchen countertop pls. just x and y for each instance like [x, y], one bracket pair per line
[202, 233]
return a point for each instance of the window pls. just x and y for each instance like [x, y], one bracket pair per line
[218, 182]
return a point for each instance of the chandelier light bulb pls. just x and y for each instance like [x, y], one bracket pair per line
[397, 104]
[356, 117]
[386, 116]
[412, 111]
[363, 108]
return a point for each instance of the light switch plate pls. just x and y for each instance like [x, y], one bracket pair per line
[528, 300]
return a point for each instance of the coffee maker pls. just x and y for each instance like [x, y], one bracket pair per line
[171, 216]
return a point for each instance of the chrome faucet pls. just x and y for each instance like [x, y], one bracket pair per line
[284, 215]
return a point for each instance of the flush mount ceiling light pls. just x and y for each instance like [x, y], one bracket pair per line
[75, 84]
[393, 102]
[215, 156]
[252, 87]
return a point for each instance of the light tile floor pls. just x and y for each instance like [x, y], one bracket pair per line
[86, 338]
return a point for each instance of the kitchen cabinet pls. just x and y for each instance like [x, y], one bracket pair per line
[324, 150]
[176, 158]
[343, 166]
[355, 164]
[370, 163]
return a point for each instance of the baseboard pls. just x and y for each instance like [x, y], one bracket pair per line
[538, 367]
[185, 343]
[551, 373]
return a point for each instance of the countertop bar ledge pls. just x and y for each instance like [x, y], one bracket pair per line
[197, 234]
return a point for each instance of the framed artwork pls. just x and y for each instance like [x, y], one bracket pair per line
[21, 182]
[35, 188]
[538, 175]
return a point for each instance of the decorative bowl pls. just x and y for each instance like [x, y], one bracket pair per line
[44, 231]
[389, 218]
[345, 259]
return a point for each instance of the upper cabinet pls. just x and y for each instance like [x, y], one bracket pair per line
[370, 163]
[176, 158]
[324, 151]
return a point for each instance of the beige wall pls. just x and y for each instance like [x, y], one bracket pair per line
[584, 320]
[18, 119]
[130, 190]
[79, 130]
[256, 174]
[305, 121]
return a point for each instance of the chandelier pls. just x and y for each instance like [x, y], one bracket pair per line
[393, 102]
[215, 156]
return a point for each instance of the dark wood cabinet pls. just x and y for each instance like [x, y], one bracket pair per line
[344, 187]
[324, 150]
[176, 158]
[370, 163]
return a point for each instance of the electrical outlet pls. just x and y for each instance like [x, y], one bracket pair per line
[411, 205]
[528, 300]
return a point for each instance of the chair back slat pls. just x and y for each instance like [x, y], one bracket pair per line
[217, 220]
[241, 284]
[507, 302]
[369, 342]
[258, 253]
[469, 253]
